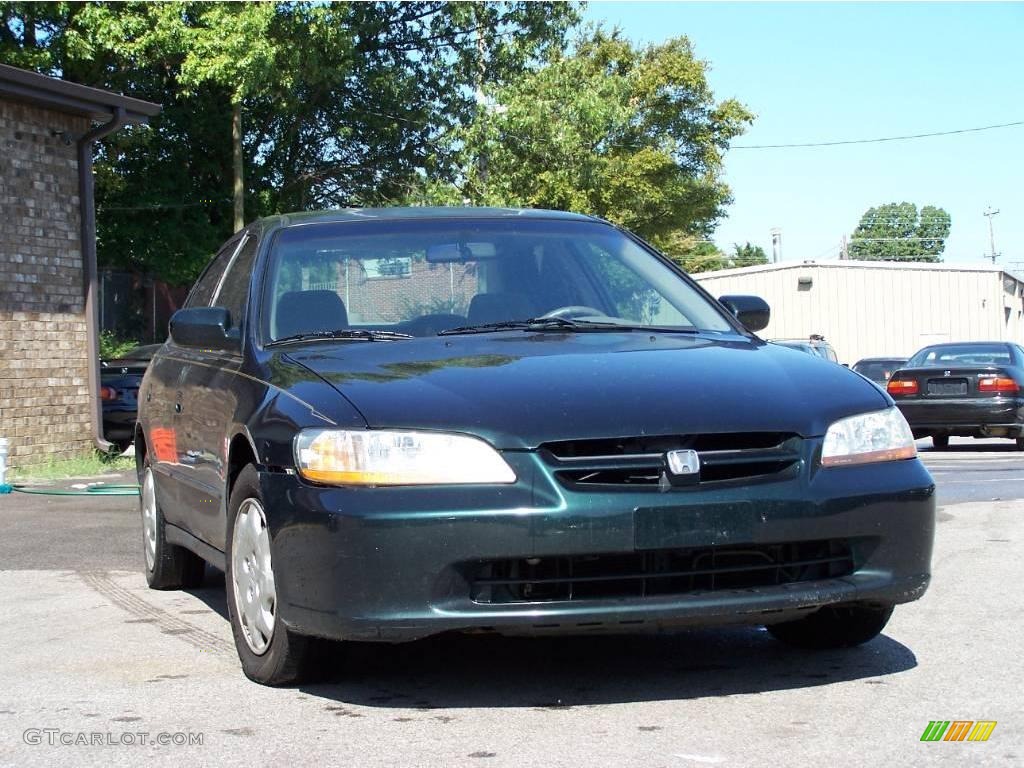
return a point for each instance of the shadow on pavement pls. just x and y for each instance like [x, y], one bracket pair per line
[454, 671]
[1003, 447]
[559, 672]
[212, 592]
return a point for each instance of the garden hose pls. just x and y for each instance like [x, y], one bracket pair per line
[95, 490]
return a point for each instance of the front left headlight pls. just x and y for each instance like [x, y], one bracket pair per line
[868, 438]
[391, 457]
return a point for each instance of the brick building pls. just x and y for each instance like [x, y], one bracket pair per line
[49, 375]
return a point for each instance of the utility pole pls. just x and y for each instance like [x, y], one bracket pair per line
[238, 191]
[776, 234]
[989, 213]
[844, 250]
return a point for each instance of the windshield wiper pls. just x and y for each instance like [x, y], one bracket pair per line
[558, 324]
[361, 334]
[533, 324]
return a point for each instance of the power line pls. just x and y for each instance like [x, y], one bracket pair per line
[876, 141]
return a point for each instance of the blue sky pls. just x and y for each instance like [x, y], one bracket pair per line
[835, 71]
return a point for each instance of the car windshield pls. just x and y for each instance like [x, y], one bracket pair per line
[962, 354]
[422, 277]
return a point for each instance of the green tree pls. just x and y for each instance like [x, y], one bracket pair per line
[338, 104]
[632, 134]
[897, 232]
[747, 255]
[691, 253]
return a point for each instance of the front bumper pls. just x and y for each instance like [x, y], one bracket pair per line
[976, 417]
[389, 564]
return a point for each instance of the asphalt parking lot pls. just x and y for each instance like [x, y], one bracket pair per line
[88, 649]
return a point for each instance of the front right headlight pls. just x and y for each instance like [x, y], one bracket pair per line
[392, 457]
[868, 438]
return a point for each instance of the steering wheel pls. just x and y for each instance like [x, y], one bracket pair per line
[574, 310]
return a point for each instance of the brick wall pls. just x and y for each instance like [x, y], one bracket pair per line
[44, 395]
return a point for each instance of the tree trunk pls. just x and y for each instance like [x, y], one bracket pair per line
[236, 143]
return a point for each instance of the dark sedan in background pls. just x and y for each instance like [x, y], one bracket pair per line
[969, 389]
[120, 379]
[815, 344]
[387, 424]
[878, 369]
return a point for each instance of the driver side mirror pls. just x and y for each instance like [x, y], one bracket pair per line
[753, 312]
[208, 327]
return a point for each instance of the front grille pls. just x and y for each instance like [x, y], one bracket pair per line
[639, 461]
[658, 572]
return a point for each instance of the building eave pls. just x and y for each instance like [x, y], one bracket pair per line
[71, 98]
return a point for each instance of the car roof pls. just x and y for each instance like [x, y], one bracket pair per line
[418, 212]
[967, 344]
[881, 360]
[801, 342]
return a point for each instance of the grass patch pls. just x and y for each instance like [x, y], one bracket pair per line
[92, 464]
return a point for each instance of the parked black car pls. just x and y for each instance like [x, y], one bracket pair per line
[878, 369]
[386, 424]
[120, 380]
[815, 344]
[969, 389]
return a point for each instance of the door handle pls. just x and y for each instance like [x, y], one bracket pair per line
[177, 407]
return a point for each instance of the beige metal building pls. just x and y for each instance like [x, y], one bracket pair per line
[876, 309]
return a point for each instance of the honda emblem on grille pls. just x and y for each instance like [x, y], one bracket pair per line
[683, 467]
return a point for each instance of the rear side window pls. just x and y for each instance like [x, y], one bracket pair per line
[234, 288]
[203, 291]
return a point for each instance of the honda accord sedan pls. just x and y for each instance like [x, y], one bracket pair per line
[388, 424]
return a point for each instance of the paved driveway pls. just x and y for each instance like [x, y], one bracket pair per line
[86, 648]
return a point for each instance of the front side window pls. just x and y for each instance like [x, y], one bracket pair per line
[203, 291]
[234, 287]
[423, 276]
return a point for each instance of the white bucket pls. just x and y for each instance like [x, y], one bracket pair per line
[3, 460]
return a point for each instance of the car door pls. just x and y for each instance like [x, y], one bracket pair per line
[210, 402]
[160, 392]
[180, 497]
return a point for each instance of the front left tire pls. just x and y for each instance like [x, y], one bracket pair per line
[270, 653]
[168, 566]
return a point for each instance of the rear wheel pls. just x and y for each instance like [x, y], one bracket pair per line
[834, 626]
[168, 566]
[941, 442]
[269, 652]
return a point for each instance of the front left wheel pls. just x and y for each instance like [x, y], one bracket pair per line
[269, 652]
[168, 566]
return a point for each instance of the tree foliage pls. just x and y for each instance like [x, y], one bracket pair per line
[631, 134]
[344, 103]
[747, 255]
[898, 232]
[377, 103]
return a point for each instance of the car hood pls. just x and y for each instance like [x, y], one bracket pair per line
[519, 390]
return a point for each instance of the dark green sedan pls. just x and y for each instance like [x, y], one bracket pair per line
[387, 424]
